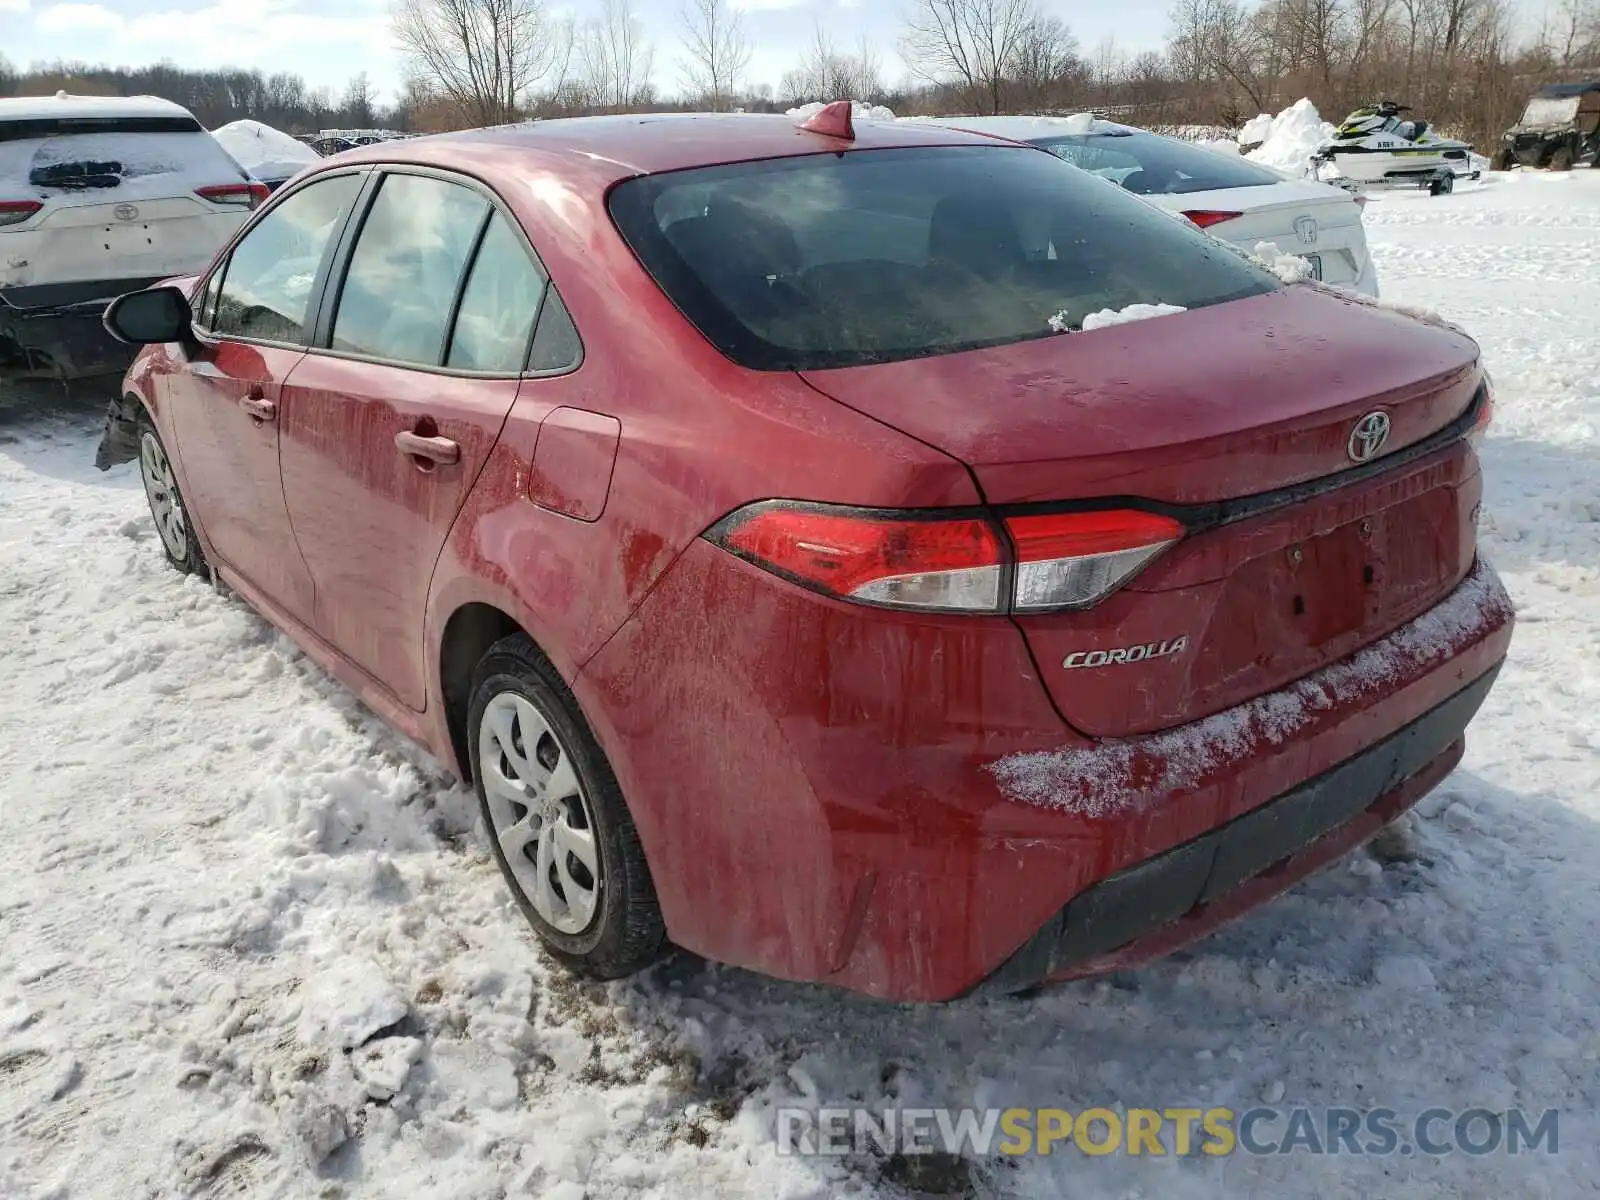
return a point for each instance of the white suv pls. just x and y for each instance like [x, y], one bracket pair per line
[101, 196]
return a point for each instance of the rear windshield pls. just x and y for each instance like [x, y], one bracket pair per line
[149, 155]
[873, 256]
[1150, 165]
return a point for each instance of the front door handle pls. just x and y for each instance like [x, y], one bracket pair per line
[434, 449]
[259, 407]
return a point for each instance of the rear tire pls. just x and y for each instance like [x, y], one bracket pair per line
[556, 819]
[1442, 186]
[167, 507]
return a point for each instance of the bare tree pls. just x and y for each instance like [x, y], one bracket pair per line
[360, 98]
[715, 51]
[1046, 61]
[614, 58]
[1575, 39]
[484, 55]
[971, 42]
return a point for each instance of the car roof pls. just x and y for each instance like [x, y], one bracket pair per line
[622, 146]
[63, 105]
[1023, 129]
[1561, 91]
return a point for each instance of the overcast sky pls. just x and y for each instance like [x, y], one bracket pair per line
[327, 41]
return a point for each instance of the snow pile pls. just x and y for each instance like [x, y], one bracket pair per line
[1118, 776]
[860, 110]
[1256, 130]
[1220, 145]
[1062, 322]
[1291, 138]
[267, 153]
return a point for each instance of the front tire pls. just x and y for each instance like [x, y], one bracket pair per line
[556, 818]
[1561, 160]
[167, 507]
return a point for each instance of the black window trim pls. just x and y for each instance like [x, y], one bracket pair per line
[331, 287]
[224, 260]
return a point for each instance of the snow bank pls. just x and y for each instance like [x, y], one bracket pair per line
[1220, 145]
[1291, 138]
[265, 152]
[860, 110]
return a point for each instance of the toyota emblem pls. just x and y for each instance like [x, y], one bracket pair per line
[1305, 228]
[1368, 437]
[126, 212]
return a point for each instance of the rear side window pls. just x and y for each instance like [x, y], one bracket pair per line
[872, 256]
[267, 282]
[1150, 165]
[555, 345]
[498, 306]
[406, 269]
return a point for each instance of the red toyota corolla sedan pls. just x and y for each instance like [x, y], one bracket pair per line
[809, 563]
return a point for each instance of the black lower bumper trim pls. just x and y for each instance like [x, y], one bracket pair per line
[1140, 899]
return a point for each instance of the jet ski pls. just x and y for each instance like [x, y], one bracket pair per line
[1379, 146]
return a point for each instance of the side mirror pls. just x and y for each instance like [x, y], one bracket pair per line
[151, 317]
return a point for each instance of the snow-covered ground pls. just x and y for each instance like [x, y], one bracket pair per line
[251, 943]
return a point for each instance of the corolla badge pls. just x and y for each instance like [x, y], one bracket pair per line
[1126, 655]
[1368, 437]
[1305, 228]
[126, 212]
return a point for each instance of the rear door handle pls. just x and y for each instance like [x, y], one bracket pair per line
[434, 449]
[259, 407]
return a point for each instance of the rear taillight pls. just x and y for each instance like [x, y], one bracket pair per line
[235, 195]
[897, 562]
[15, 212]
[955, 563]
[1480, 426]
[1072, 560]
[1207, 217]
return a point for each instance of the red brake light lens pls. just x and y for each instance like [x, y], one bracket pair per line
[235, 195]
[955, 563]
[897, 562]
[1207, 217]
[1074, 560]
[15, 212]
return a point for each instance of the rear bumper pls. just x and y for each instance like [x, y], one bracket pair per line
[889, 803]
[58, 329]
[1156, 906]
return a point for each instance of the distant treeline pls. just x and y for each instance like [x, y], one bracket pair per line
[282, 100]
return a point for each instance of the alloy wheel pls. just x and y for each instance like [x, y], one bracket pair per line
[166, 506]
[540, 815]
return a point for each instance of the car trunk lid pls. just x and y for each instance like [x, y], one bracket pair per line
[1314, 220]
[1239, 419]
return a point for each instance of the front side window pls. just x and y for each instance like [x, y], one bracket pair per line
[407, 268]
[267, 282]
[876, 255]
[499, 305]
